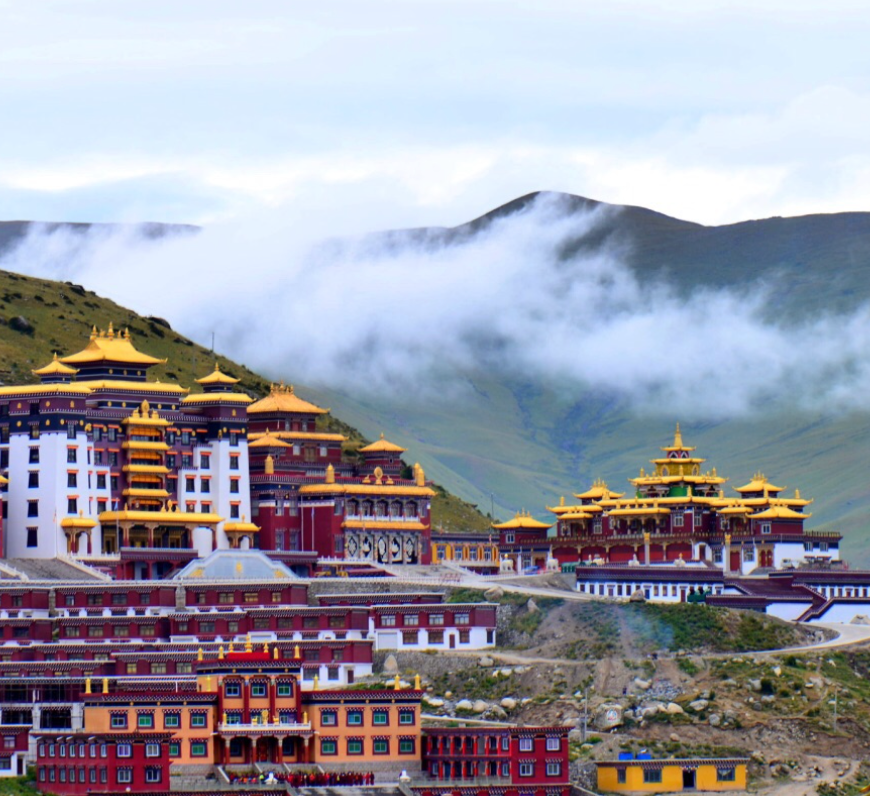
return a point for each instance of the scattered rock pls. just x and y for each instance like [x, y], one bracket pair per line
[485, 660]
[495, 710]
[777, 671]
[698, 705]
[505, 672]
[643, 685]
[532, 606]
[758, 757]
[575, 735]
[391, 666]
[480, 706]
[754, 684]
[508, 703]
[493, 594]
[637, 596]
[674, 709]
[465, 704]
[673, 737]
[714, 720]
[608, 716]
[433, 702]
[21, 324]
[448, 694]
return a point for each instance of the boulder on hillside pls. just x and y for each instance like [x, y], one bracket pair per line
[493, 594]
[485, 661]
[20, 324]
[508, 703]
[391, 665]
[465, 704]
[608, 716]
[480, 706]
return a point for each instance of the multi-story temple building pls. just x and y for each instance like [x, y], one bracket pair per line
[138, 477]
[679, 512]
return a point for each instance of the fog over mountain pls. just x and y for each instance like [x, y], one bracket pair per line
[523, 353]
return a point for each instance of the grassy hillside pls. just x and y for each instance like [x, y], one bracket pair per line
[39, 317]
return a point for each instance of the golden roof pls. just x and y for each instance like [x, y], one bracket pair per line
[217, 397]
[735, 509]
[46, 389]
[650, 480]
[145, 416]
[599, 490]
[239, 527]
[678, 442]
[283, 399]
[216, 377]
[639, 510]
[55, 367]
[382, 446]
[759, 483]
[267, 440]
[111, 347]
[779, 513]
[366, 489]
[575, 515]
[145, 469]
[145, 493]
[522, 521]
[144, 446]
[135, 386]
[384, 525]
[78, 522]
[302, 435]
[163, 517]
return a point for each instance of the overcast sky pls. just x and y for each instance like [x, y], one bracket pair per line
[371, 113]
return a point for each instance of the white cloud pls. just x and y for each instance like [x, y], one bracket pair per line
[365, 314]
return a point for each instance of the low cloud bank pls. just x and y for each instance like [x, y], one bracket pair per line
[397, 313]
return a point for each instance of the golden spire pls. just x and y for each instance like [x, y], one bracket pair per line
[111, 332]
[230, 649]
[421, 476]
[316, 683]
[417, 682]
[87, 685]
[270, 465]
[266, 647]
[397, 685]
[678, 438]
[94, 333]
[296, 654]
[199, 654]
[221, 652]
[330, 474]
[275, 652]
[105, 685]
[248, 646]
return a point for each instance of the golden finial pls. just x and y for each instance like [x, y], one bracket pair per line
[417, 682]
[248, 646]
[330, 474]
[270, 465]
[87, 685]
[266, 647]
[397, 685]
[296, 654]
[199, 654]
[305, 717]
[727, 539]
[105, 685]
[421, 476]
[94, 333]
[562, 500]
[225, 717]
[797, 494]
[221, 652]
[208, 682]
[316, 683]
[217, 367]
[275, 653]
[111, 332]
[678, 438]
[230, 649]
[264, 716]
[145, 408]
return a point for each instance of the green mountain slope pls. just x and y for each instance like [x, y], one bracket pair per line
[39, 317]
[523, 444]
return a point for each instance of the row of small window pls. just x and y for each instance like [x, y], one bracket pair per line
[412, 620]
[145, 721]
[654, 776]
[123, 776]
[379, 746]
[233, 690]
[354, 718]
[91, 750]
[99, 631]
